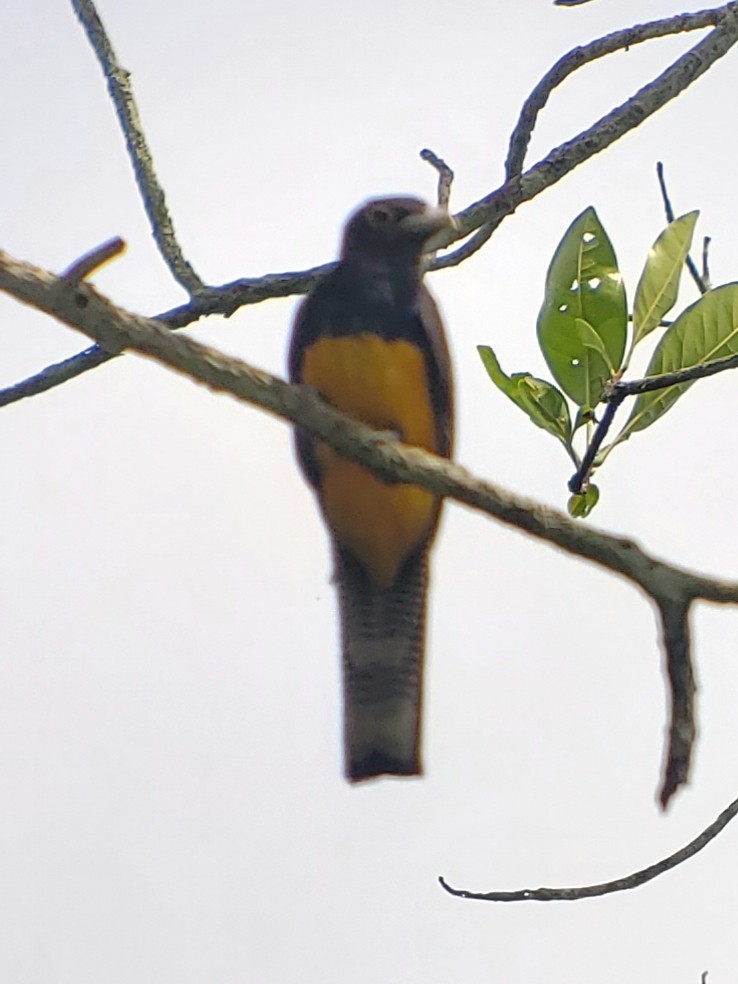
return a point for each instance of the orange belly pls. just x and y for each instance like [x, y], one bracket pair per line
[385, 384]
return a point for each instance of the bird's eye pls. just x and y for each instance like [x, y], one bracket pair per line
[380, 216]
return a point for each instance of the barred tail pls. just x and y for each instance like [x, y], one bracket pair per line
[382, 641]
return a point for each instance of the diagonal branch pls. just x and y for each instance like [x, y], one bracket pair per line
[672, 589]
[223, 300]
[605, 888]
[485, 215]
[585, 54]
[490, 211]
[121, 92]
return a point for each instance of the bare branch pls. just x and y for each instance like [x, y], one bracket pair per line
[490, 211]
[121, 92]
[54, 375]
[680, 376]
[88, 264]
[680, 673]
[84, 308]
[585, 54]
[672, 589]
[606, 888]
[582, 475]
[445, 176]
[223, 300]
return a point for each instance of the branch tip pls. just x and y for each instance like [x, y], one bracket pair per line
[88, 264]
[445, 176]
[624, 884]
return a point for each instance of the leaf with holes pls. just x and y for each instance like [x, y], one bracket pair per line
[543, 403]
[583, 284]
[658, 287]
[704, 332]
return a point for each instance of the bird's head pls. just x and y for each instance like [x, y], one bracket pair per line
[393, 228]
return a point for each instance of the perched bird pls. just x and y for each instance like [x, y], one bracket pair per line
[370, 340]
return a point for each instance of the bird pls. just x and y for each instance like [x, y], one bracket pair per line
[370, 340]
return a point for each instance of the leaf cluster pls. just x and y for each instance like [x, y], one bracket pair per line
[587, 338]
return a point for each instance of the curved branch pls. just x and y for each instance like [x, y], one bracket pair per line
[585, 54]
[445, 176]
[490, 211]
[605, 888]
[485, 215]
[119, 86]
[223, 300]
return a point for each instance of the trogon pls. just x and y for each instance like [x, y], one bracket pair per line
[370, 340]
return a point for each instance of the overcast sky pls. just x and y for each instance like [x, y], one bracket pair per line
[173, 808]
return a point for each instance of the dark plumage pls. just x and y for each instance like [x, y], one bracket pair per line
[370, 339]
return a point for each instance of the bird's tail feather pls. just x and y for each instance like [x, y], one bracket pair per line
[382, 641]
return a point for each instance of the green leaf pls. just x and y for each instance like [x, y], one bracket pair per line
[581, 505]
[583, 285]
[585, 415]
[542, 402]
[704, 332]
[658, 287]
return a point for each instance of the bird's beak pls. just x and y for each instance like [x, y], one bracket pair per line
[432, 226]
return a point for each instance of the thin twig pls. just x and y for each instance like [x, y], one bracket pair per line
[625, 884]
[487, 214]
[635, 387]
[581, 476]
[678, 377]
[88, 264]
[121, 92]
[669, 212]
[445, 176]
[225, 300]
[585, 54]
[55, 375]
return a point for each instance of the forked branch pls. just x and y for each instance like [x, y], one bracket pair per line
[484, 215]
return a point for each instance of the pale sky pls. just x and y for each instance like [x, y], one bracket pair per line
[170, 763]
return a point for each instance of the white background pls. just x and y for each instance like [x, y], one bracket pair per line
[171, 801]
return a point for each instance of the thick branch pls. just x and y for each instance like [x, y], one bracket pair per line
[82, 307]
[121, 92]
[605, 888]
[672, 589]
